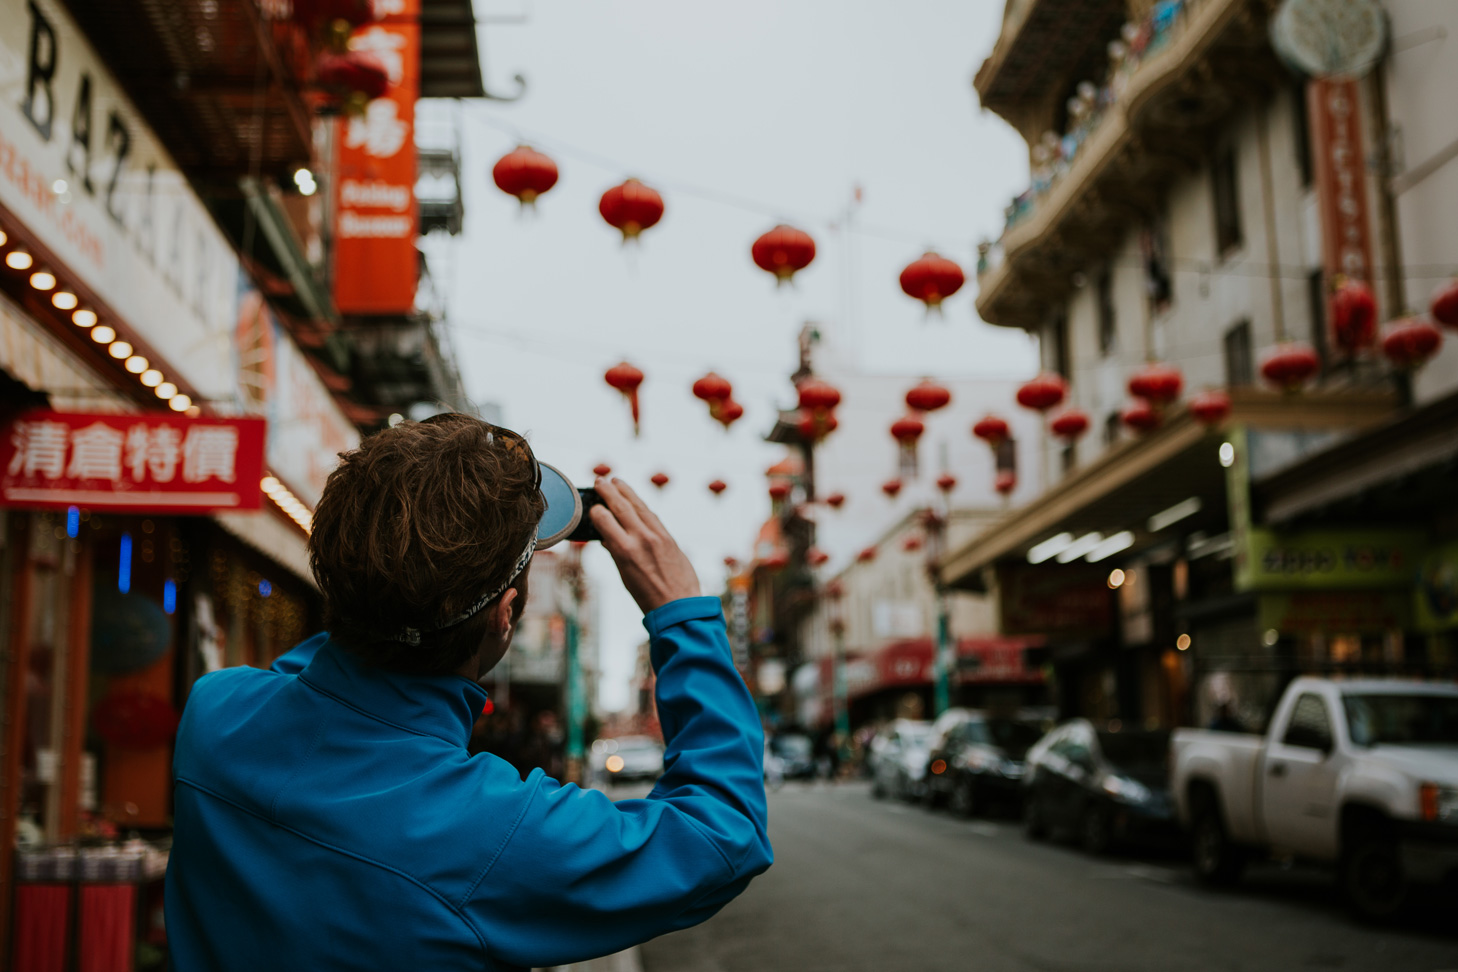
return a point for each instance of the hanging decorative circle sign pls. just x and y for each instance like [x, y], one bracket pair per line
[1330, 38]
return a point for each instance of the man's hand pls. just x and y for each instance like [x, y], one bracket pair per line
[653, 569]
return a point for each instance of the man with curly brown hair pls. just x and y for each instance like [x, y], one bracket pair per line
[328, 814]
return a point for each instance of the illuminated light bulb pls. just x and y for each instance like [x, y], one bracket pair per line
[43, 280]
[63, 300]
[136, 364]
[166, 390]
[269, 483]
[119, 349]
[19, 259]
[151, 378]
[3, 238]
[179, 403]
[84, 318]
[103, 334]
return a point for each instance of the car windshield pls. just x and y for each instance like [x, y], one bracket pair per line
[1136, 752]
[1012, 737]
[1374, 719]
[793, 746]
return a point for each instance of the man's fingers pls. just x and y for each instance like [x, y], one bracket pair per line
[612, 533]
[620, 506]
[649, 518]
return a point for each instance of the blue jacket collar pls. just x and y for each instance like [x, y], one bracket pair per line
[440, 705]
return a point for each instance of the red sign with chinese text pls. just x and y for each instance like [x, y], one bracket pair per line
[131, 463]
[376, 267]
[1341, 186]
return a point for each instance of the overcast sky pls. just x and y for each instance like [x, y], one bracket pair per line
[742, 115]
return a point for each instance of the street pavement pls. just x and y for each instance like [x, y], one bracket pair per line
[860, 884]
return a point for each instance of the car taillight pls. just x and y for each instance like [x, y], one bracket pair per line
[1428, 801]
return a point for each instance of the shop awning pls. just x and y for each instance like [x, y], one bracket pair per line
[271, 536]
[1137, 479]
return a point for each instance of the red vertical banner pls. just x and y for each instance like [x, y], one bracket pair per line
[376, 268]
[1341, 185]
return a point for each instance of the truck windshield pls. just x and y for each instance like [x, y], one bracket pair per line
[1376, 719]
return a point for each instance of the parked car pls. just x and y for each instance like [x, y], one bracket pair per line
[630, 758]
[1108, 788]
[898, 758]
[1360, 774]
[978, 763]
[793, 754]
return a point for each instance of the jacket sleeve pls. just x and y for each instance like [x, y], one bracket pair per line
[581, 876]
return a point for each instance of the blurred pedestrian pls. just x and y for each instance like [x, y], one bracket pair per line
[327, 812]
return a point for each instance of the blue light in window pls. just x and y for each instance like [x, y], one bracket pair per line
[73, 521]
[265, 588]
[169, 595]
[124, 564]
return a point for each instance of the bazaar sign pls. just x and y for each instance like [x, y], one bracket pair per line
[131, 463]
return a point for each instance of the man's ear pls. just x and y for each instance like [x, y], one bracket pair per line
[501, 614]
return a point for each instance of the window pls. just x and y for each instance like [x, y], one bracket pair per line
[1155, 252]
[1239, 368]
[1058, 345]
[1309, 727]
[1112, 424]
[1316, 307]
[1301, 125]
[1227, 203]
[1108, 324]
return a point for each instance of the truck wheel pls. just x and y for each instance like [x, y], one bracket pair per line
[1094, 830]
[1035, 822]
[1372, 878]
[1217, 860]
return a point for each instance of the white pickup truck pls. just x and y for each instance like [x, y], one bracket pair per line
[1362, 774]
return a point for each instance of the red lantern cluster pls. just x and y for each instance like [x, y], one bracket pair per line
[718, 393]
[524, 173]
[1069, 425]
[817, 400]
[1409, 343]
[356, 77]
[1290, 366]
[626, 379]
[659, 479]
[928, 396]
[1158, 384]
[931, 279]
[784, 251]
[1353, 313]
[891, 487]
[1141, 416]
[814, 426]
[1044, 392]
[631, 208]
[1444, 307]
[992, 430]
[1210, 407]
[729, 413]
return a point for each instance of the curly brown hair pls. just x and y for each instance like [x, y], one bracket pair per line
[414, 526]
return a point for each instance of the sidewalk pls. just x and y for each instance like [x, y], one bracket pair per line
[628, 961]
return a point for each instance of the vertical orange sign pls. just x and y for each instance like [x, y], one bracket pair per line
[1341, 188]
[375, 262]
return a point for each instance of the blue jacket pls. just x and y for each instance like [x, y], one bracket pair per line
[328, 816]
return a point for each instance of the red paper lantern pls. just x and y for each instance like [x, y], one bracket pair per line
[1141, 417]
[779, 490]
[992, 430]
[776, 560]
[946, 482]
[931, 279]
[727, 413]
[1290, 366]
[1043, 392]
[814, 426]
[631, 208]
[927, 396]
[1409, 343]
[360, 76]
[835, 500]
[907, 429]
[1069, 425]
[626, 379]
[911, 542]
[524, 173]
[1005, 482]
[659, 479]
[718, 486]
[602, 469]
[816, 557]
[1210, 407]
[313, 14]
[1158, 384]
[816, 395]
[1353, 309]
[713, 388]
[132, 719]
[891, 487]
[784, 251]
[867, 555]
[1444, 307]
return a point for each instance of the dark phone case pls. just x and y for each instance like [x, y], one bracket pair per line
[586, 530]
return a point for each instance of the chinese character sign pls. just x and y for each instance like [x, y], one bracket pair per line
[375, 270]
[1341, 186]
[131, 463]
